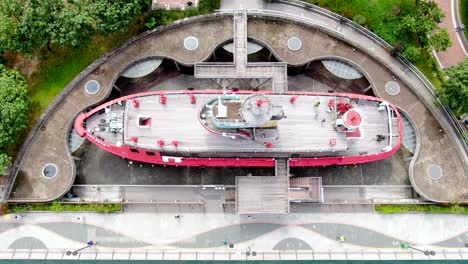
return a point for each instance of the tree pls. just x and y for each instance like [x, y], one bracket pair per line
[412, 53]
[112, 15]
[14, 103]
[29, 25]
[422, 21]
[440, 40]
[35, 24]
[454, 92]
[74, 26]
[10, 12]
[5, 162]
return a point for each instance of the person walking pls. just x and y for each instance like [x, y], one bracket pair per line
[341, 238]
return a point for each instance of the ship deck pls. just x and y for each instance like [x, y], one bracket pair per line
[302, 131]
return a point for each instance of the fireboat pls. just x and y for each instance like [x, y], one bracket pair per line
[226, 128]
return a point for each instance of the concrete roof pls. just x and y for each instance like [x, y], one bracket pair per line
[49, 143]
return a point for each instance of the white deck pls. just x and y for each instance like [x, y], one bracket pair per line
[300, 132]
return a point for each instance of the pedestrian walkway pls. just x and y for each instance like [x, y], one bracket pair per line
[241, 69]
[148, 232]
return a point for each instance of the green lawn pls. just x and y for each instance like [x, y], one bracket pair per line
[60, 67]
[60, 207]
[464, 14]
[426, 208]
[428, 65]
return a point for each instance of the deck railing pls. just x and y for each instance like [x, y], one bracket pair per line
[239, 254]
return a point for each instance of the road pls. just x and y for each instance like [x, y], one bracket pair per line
[458, 51]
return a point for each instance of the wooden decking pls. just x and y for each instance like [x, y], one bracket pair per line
[262, 194]
[241, 69]
[305, 189]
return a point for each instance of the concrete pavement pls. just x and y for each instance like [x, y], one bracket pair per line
[212, 198]
[149, 232]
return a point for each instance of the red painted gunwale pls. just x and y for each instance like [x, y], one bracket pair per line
[124, 151]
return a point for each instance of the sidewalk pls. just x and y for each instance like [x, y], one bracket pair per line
[456, 53]
[162, 231]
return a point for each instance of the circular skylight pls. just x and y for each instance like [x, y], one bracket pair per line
[392, 88]
[294, 43]
[49, 171]
[191, 43]
[92, 87]
[434, 172]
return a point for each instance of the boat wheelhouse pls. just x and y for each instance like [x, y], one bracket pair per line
[216, 128]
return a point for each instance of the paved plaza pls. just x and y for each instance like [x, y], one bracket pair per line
[367, 234]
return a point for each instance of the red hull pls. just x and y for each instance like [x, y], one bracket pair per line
[124, 151]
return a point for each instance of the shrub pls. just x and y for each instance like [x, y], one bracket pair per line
[412, 53]
[56, 206]
[426, 208]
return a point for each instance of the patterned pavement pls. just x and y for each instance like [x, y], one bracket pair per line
[280, 232]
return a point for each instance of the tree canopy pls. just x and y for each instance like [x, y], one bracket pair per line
[5, 162]
[14, 103]
[422, 21]
[111, 15]
[454, 92]
[406, 24]
[440, 40]
[26, 26]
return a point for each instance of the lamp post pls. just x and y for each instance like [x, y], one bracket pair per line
[426, 252]
[75, 252]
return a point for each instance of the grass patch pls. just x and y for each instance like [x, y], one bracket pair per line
[60, 207]
[425, 208]
[463, 4]
[429, 66]
[59, 68]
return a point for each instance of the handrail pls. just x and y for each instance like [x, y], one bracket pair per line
[158, 254]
